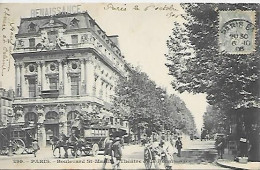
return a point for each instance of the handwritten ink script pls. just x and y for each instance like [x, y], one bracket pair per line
[7, 40]
[169, 9]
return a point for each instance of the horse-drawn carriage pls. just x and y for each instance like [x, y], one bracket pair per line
[18, 138]
[84, 141]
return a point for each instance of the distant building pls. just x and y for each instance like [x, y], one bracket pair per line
[65, 66]
[6, 110]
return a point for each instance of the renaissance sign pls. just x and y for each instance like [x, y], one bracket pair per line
[55, 10]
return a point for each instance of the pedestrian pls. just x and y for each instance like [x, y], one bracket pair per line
[108, 151]
[122, 142]
[35, 147]
[165, 155]
[220, 146]
[243, 145]
[117, 152]
[178, 146]
[155, 150]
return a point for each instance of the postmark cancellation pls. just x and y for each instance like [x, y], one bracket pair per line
[237, 32]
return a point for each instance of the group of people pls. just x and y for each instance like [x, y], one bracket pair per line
[163, 151]
[113, 151]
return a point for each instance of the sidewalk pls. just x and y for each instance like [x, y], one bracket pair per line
[236, 165]
[228, 162]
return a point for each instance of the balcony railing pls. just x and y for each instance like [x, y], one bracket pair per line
[50, 93]
[72, 46]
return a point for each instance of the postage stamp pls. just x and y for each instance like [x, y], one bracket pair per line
[237, 32]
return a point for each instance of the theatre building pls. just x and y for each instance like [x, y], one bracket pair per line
[65, 66]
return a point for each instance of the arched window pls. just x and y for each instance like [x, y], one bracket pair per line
[51, 115]
[30, 117]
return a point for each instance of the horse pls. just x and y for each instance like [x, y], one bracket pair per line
[61, 143]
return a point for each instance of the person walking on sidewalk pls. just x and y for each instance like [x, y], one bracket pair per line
[178, 145]
[108, 150]
[35, 147]
[220, 146]
[117, 152]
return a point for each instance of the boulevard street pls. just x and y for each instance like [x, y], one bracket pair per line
[133, 156]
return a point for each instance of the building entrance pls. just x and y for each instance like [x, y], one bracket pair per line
[51, 124]
[51, 130]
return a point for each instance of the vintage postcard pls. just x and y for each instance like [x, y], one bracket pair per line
[129, 85]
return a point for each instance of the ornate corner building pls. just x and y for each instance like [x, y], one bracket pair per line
[65, 65]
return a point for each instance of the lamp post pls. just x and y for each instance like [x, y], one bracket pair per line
[163, 114]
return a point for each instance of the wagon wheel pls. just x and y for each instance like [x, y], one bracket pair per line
[95, 149]
[147, 158]
[18, 146]
[86, 150]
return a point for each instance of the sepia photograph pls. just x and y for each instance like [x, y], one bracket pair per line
[117, 85]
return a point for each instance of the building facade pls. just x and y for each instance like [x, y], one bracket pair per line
[65, 66]
[6, 110]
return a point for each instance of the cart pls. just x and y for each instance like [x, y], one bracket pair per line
[17, 137]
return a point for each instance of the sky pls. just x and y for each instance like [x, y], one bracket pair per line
[142, 40]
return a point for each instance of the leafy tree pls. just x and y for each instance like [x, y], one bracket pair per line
[215, 120]
[231, 82]
[147, 106]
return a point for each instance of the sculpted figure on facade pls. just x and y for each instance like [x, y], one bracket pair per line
[40, 112]
[60, 42]
[18, 113]
[45, 43]
[62, 108]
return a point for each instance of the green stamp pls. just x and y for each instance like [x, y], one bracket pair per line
[237, 32]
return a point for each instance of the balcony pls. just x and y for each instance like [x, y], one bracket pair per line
[50, 93]
[88, 45]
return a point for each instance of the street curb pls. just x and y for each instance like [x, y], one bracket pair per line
[227, 166]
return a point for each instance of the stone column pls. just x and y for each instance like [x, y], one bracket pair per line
[102, 89]
[23, 85]
[106, 92]
[17, 79]
[44, 83]
[63, 126]
[90, 76]
[98, 87]
[39, 78]
[41, 135]
[40, 126]
[109, 93]
[66, 80]
[61, 81]
[82, 77]
[16, 84]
